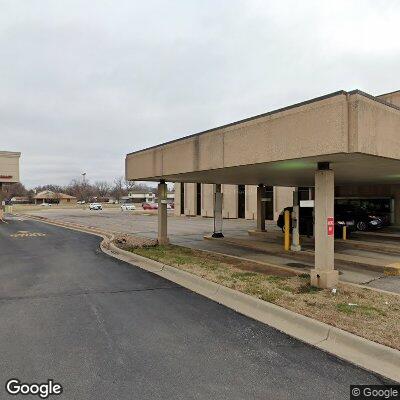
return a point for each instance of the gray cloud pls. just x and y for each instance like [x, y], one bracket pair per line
[84, 82]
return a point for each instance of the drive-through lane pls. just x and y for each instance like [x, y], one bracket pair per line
[107, 330]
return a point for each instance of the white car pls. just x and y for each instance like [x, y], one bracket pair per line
[128, 207]
[95, 206]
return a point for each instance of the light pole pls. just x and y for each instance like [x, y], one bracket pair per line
[83, 188]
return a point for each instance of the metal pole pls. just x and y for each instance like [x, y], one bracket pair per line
[217, 212]
[287, 230]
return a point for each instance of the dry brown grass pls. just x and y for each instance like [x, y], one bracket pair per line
[367, 313]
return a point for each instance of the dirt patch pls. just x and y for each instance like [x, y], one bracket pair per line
[130, 242]
[364, 312]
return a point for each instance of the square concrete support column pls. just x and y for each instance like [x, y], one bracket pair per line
[261, 208]
[296, 222]
[217, 212]
[162, 214]
[324, 275]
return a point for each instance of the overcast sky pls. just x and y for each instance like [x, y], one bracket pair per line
[84, 82]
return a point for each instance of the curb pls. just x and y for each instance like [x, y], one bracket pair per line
[373, 246]
[369, 355]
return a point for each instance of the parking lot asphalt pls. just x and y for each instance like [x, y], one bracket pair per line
[190, 232]
[104, 329]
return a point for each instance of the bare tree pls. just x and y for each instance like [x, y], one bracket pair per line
[137, 187]
[10, 190]
[50, 187]
[102, 188]
[118, 189]
[57, 197]
[16, 189]
[130, 185]
[82, 190]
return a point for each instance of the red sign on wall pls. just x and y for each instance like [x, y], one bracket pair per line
[331, 226]
[5, 176]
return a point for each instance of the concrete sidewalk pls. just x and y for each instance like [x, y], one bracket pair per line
[268, 247]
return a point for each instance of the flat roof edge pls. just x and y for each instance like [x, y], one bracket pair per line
[10, 153]
[375, 98]
[303, 103]
[292, 106]
[388, 93]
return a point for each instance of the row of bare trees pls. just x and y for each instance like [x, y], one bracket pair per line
[82, 189]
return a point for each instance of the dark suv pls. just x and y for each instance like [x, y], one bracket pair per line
[364, 220]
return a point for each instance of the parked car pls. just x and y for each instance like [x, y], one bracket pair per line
[383, 216]
[377, 208]
[95, 206]
[364, 220]
[81, 202]
[45, 204]
[128, 207]
[150, 206]
[341, 218]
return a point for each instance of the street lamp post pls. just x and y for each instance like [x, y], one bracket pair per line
[83, 188]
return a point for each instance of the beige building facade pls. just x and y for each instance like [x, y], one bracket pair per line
[384, 199]
[238, 201]
[9, 173]
[9, 167]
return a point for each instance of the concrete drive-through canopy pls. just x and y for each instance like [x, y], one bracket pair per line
[354, 138]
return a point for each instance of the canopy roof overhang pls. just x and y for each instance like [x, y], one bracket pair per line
[357, 133]
[355, 168]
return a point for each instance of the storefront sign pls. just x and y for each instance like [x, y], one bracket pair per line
[5, 176]
[307, 203]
